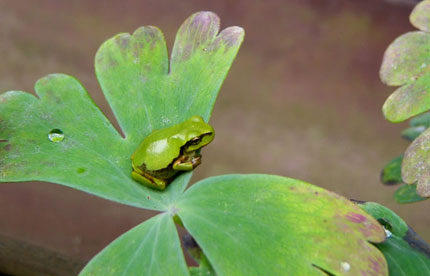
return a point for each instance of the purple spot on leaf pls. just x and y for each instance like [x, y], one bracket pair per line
[356, 218]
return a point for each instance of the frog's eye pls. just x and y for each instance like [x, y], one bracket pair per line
[195, 141]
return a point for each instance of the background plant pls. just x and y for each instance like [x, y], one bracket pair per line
[406, 64]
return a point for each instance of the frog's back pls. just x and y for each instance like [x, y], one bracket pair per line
[157, 150]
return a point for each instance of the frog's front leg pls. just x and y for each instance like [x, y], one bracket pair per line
[148, 180]
[186, 163]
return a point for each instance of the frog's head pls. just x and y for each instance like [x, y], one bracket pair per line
[199, 134]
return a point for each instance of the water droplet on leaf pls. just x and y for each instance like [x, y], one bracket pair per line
[56, 135]
[345, 266]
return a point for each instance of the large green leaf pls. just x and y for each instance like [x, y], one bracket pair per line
[406, 253]
[134, 73]
[406, 63]
[151, 248]
[144, 95]
[270, 225]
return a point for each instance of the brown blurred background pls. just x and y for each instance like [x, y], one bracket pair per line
[303, 99]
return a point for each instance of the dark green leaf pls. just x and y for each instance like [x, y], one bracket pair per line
[421, 120]
[392, 172]
[406, 253]
[270, 225]
[396, 224]
[407, 193]
[402, 259]
[417, 126]
[411, 133]
[151, 248]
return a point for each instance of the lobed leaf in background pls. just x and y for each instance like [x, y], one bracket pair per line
[144, 93]
[406, 63]
[416, 164]
[416, 160]
[391, 174]
[406, 253]
[254, 225]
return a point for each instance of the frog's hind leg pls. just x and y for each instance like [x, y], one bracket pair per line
[148, 180]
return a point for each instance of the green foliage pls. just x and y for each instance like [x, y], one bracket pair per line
[135, 74]
[152, 247]
[407, 193]
[411, 133]
[406, 253]
[422, 120]
[416, 164]
[417, 125]
[144, 95]
[243, 224]
[406, 63]
[201, 271]
[253, 225]
[392, 172]
[420, 16]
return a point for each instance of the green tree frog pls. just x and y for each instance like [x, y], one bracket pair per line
[166, 152]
